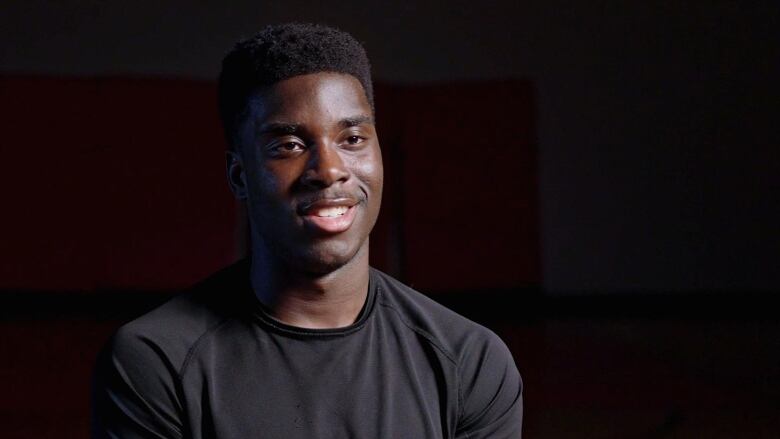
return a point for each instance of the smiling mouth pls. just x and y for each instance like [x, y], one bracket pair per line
[330, 216]
[330, 212]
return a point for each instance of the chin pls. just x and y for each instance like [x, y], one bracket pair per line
[317, 256]
[326, 258]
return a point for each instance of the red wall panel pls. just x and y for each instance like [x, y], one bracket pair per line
[119, 184]
[468, 185]
[111, 183]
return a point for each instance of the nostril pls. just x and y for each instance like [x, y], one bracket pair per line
[312, 178]
[325, 167]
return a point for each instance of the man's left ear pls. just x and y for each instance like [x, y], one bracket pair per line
[235, 174]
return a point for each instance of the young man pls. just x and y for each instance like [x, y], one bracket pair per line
[304, 339]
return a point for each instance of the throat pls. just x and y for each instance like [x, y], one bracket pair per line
[323, 313]
[331, 301]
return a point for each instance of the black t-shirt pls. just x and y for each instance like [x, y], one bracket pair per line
[210, 363]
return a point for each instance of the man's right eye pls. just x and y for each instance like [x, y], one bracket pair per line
[290, 146]
[286, 148]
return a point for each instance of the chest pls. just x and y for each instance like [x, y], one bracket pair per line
[380, 383]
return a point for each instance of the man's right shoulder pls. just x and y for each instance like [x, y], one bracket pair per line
[174, 328]
[137, 375]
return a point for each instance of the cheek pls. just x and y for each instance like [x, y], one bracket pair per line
[370, 170]
[271, 181]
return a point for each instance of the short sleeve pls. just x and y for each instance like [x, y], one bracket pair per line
[134, 391]
[491, 391]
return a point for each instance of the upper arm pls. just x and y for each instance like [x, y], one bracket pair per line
[135, 391]
[491, 391]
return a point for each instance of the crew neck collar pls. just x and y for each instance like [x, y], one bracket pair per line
[263, 316]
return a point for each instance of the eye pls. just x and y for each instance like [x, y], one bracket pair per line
[286, 148]
[290, 146]
[354, 140]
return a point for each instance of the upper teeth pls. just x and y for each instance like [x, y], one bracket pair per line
[331, 211]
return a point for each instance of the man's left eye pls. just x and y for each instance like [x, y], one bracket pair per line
[354, 140]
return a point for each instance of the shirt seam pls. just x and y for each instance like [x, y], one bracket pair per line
[196, 345]
[432, 341]
[421, 332]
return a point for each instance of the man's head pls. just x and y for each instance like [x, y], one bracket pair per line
[297, 106]
[280, 52]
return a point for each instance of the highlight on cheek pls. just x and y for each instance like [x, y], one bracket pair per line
[369, 164]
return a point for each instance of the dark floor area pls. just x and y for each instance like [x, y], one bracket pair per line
[590, 370]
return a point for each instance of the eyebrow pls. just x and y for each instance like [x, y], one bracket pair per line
[355, 121]
[281, 128]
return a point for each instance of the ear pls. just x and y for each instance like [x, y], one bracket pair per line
[235, 174]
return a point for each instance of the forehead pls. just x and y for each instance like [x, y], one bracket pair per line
[312, 98]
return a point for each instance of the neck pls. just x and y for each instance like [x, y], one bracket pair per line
[306, 300]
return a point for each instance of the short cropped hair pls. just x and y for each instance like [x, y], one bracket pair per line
[280, 52]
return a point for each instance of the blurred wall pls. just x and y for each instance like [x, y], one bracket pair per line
[658, 149]
[124, 187]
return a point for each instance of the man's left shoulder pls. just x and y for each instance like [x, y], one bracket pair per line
[459, 336]
[489, 386]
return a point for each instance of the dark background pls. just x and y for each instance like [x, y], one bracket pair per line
[602, 177]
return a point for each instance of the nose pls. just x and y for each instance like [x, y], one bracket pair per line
[325, 167]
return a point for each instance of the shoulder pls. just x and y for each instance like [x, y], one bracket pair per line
[458, 336]
[137, 376]
[489, 384]
[174, 328]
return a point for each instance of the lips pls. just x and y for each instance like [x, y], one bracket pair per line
[330, 212]
[329, 215]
